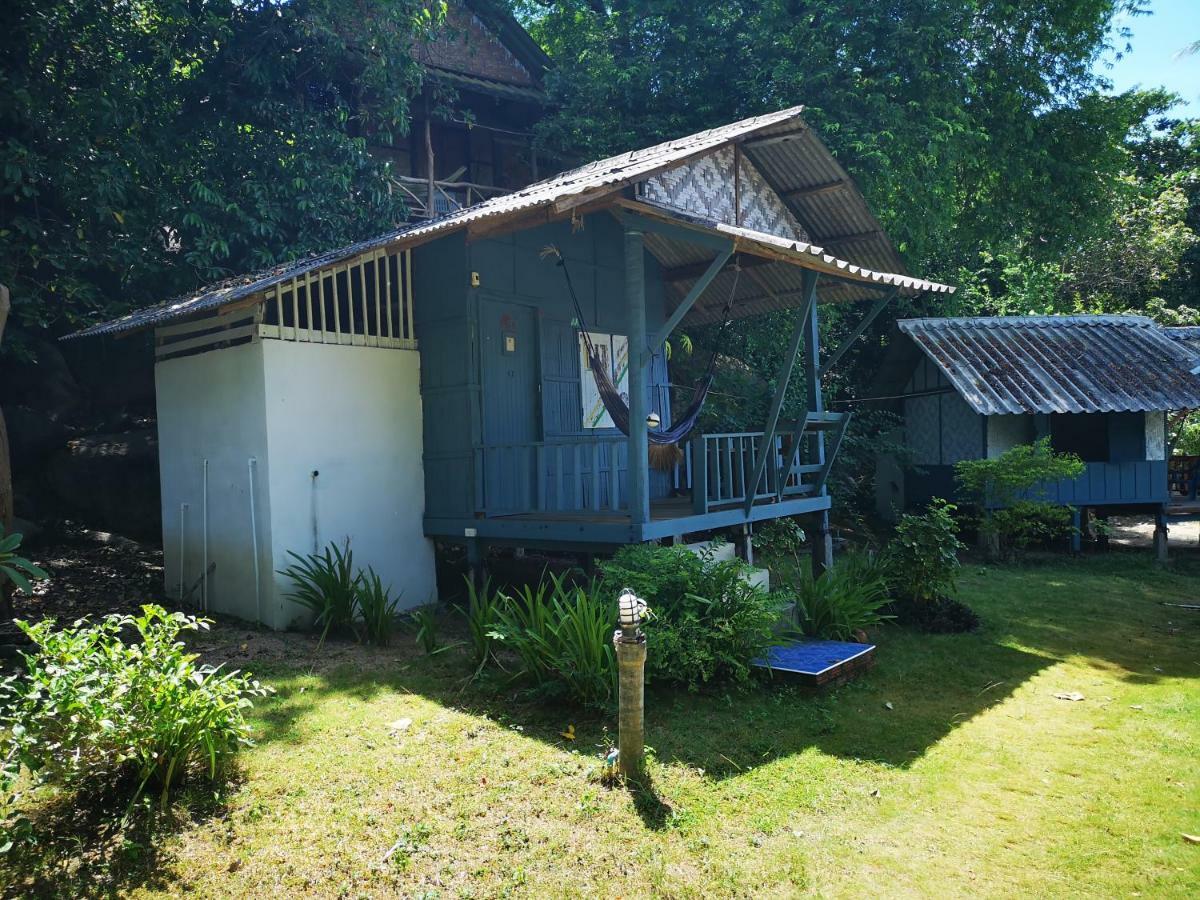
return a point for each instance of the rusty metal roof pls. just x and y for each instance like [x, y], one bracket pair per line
[1060, 364]
[791, 156]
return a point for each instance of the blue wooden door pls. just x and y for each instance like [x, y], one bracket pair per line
[511, 406]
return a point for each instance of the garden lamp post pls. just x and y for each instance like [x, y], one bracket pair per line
[630, 644]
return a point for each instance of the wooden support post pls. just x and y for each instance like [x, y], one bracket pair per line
[475, 562]
[689, 301]
[860, 329]
[799, 334]
[745, 545]
[822, 554]
[639, 445]
[1160, 537]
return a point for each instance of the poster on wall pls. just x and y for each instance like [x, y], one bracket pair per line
[613, 350]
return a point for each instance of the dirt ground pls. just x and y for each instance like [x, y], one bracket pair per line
[1138, 531]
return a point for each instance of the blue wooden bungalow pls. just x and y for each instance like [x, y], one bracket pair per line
[513, 444]
[1100, 386]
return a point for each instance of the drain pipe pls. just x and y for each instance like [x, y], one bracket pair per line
[182, 545]
[250, 465]
[204, 517]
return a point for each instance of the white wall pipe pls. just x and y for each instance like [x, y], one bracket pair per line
[250, 464]
[204, 517]
[182, 545]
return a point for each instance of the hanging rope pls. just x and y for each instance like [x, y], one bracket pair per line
[613, 402]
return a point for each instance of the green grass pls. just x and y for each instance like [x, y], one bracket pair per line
[977, 781]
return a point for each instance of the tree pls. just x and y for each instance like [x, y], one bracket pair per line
[154, 146]
[6, 489]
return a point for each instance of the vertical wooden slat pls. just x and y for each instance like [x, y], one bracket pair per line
[715, 456]
[337, 307]
[558, 476]
[727, 465]
[279, 309]
[295, 312]
[595, 475]
[387, 281]
[577, 479]
[699, 475]
[362, 298]
[614, 479]
[409, 300]
[378, 311]
[539, 454]
[308, 302]
[321, 305]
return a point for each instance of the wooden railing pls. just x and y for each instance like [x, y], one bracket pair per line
[717, 468]
[1132, 481]
[555, 476]
[590, 473]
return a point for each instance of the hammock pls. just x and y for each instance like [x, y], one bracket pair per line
[614, 403]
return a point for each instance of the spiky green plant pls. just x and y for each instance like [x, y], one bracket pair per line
[377, 608]
[327, 584]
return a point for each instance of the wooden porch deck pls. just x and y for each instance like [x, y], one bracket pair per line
[669, 517]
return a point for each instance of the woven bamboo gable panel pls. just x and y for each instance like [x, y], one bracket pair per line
[707, 186]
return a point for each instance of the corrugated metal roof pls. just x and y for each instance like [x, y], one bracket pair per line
[597, 180]
[1059, 364]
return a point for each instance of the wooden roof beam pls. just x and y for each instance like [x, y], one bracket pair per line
[755, 143]
[695, 270]
[813, 190]
[850, 238]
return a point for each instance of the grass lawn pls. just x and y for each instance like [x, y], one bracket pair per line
[976, 780]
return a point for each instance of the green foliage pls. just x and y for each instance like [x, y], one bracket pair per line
[482, 615]
[341, 598]
[90, 708]
[922, 558]
[376, 608]
[779, 537]
[708, 622]
[153, 146]
[1186, 438]
[326, 584]
[1015, 472]
[1027, 522]
[848, 597]
[1007, 491]
[17, 569]
[562, 635]
[428, 633]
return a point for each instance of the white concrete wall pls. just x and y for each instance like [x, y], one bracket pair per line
[1156, 435]
[352, 415]
[211, 406]
[1006, 432]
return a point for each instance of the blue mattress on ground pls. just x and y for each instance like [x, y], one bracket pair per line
[811, 657]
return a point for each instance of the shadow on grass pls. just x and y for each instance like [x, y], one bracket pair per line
[1105, 613]
[84, 844]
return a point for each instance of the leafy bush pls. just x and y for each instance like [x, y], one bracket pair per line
[922, 558]
[708, 622]
[482, 615]
[848, 597]
[778, 537]
[942, 615]
[428, 635]
[1008, 491]
[376, 607]
[342, 599]
[327, 584]
[562, 635]
[16, 568]
[90, 708]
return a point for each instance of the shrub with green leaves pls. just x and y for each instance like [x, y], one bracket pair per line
[922, 557]
[326, 584]
[482, 615]
[92, 707]
[1008, 492]
[778, 537]
[377, 608]
[708, 622]
[562, 635]
[846, 598]
[15, 568]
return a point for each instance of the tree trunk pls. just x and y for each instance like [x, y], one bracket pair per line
[6, 491]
